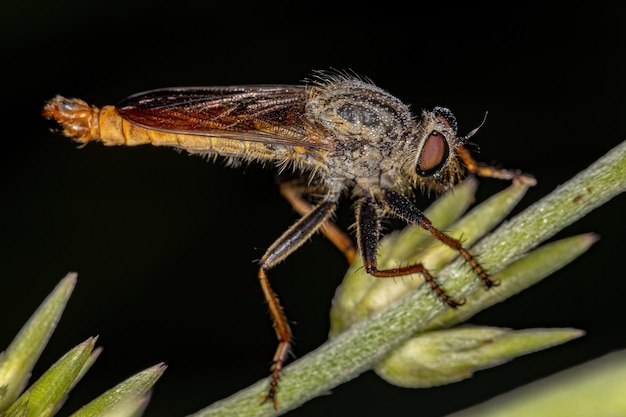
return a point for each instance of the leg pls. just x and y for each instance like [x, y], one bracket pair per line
[485, 170]
[333, 233]
[405, 209]
[368, 234]
[291, 240]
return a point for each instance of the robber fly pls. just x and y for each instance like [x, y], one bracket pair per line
[338, 134]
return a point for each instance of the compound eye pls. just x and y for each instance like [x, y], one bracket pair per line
[445, 115]
[433, 156]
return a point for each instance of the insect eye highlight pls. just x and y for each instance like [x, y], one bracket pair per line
[433, 156]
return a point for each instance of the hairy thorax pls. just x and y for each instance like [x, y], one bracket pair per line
[370, 130]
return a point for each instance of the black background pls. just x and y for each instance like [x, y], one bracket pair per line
[165, 244]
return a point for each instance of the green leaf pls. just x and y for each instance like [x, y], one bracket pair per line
[46, 395]
[126, 399]
[517, 276]
[445, 356]
[596, 388]
[20, 357]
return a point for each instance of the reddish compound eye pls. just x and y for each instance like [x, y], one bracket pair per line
[433, 156]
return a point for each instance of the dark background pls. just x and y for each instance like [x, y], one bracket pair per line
[165, 244]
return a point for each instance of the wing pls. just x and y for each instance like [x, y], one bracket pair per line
[270, 114]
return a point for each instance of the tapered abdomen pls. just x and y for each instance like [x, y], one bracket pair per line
[84, 123]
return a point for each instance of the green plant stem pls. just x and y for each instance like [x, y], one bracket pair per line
[367, 342]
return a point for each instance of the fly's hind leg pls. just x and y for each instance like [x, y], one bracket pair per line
[291, 240]
[289, 189]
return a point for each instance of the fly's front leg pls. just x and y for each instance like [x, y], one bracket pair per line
[289, 190]
[291, 240]
[402, 207]
[485, 170]
[368, 235]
